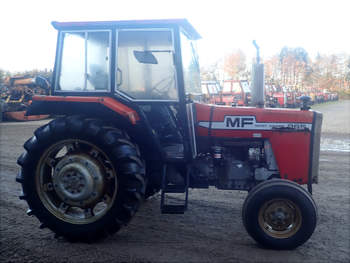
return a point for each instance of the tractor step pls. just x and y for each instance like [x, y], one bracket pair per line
[173, 209]
[175, 189]
[168, 189]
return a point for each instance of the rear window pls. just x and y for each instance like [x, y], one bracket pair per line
[85, 61]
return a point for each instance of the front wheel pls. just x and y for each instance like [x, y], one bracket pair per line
[279, 214]
[81, 179]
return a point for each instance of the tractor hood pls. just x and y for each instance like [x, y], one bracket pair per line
[250, 118]
[293, 134]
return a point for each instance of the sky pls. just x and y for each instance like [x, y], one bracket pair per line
[28, 41]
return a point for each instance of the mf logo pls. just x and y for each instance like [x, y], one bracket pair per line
[239, 121]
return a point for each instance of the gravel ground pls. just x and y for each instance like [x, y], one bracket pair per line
[210, 231]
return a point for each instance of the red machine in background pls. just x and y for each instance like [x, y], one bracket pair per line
[236, 93]
[233, 92]
[329, 96]
[289, 96]
[281, 97]
[211, 92]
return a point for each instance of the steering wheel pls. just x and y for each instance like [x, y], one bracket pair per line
[161, 88]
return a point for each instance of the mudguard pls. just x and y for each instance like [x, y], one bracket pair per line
[92, 106]
[123, 117]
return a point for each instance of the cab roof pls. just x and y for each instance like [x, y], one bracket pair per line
[182, 23]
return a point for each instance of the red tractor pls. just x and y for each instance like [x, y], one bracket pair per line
[128, 128]
[211, 92]
[236, 93]
[281, 97]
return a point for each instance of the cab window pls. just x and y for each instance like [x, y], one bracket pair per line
[85, 61]
[190, 66]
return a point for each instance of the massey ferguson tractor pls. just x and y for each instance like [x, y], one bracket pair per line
[129, 128]
[236, 93]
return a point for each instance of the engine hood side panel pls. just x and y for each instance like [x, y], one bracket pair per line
[289, 132]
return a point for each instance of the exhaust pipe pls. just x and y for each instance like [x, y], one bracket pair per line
[258, 91]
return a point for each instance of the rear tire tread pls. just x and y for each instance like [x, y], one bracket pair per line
[128, 165]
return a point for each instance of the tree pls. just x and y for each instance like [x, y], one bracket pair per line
[272, 70]
[235, 64]
[294, 62]
[3, 75]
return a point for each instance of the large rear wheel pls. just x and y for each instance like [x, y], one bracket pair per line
[81, 179]
[279, 214]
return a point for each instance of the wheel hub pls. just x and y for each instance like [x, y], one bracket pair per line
[280, 218]
[78, 180]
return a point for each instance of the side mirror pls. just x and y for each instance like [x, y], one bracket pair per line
[145, 57]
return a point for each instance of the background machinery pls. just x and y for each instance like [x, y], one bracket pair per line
[17, 93]
[236, 93]
[211, 91]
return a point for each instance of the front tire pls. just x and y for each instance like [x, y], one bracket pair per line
[279, 214]
[81, 179]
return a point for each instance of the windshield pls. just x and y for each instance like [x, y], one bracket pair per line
[245, 86]
[227, 87]
[213, 89]
[236, 87]
[204, 89]
[190, 66]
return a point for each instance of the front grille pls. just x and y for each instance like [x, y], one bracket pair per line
[316, 140]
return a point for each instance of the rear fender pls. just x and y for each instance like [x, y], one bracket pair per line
[91, 106]
[106, 108]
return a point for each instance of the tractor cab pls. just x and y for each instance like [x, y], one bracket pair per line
[151, 66]
[137, 60]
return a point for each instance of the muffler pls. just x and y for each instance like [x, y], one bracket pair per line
[258, 91]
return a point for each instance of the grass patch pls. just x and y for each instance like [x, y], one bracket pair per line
[321, 105]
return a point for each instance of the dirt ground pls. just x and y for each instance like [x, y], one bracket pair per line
[210, 231]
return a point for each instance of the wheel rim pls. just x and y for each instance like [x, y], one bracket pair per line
[280, 218]
[76, 181]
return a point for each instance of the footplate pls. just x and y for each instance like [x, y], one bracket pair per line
[167, 205]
